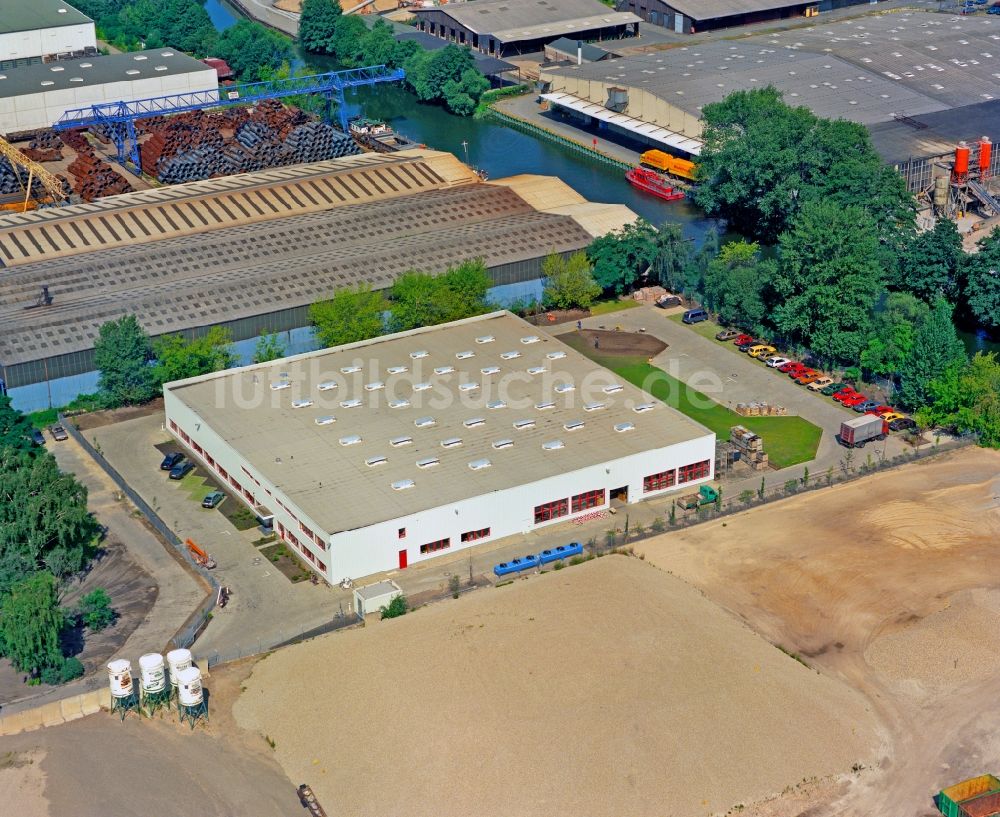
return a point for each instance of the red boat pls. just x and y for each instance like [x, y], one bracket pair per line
[653, 183]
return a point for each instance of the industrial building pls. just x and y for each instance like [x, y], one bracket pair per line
[252, 252]
[505, 28]
[34, 31]
[35, 96]
[692, 16]
[381, 454]
[887, 72]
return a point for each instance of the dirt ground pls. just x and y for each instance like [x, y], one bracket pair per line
[890, 583]
[99, 766]
[608, 688]
[625, 344]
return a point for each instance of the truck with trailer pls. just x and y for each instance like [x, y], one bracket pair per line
[706, 496]
[860, 431]
[975, 797]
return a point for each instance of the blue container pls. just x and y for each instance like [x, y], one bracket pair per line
[529, 561]
[505, 568]
[561, 552]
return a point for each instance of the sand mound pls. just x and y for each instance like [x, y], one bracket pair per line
[609, 688]
[954, 646]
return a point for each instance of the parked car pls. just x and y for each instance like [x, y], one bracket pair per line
[745, 347]
[845, 393]
[820, 383]
[865, 406]
[742, 338]
[37, 437]
[171, 460]
[58, 433]
[833, 388]
[776, 361]
[668, 301]
[893, 415]
[804, 372]
[182, 470]
[883, 410]
[695, 316]
[792, 366]
[727, 334]
[902, 424]
[808, 378]
[761, 352]
[213, 499]
[854, 400]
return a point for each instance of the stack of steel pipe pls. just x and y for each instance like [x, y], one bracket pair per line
[93, 177]
[45, 147]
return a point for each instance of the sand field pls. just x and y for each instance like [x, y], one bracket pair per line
[608, 688]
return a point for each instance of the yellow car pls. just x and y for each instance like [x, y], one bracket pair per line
[892, 415]
[761, 351]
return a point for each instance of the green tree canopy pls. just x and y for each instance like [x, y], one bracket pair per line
[569, 282]
[967, 397]
[122, 354]
[269, 347]
[894, 322]
[252, 50]
[30, 623]
[982, 287]
[828, 280]
[619, 258]
[318, 26]
[351, 315]
[418, 299]
[15, 430]
[95, 609]
[177, 358]
[930, 263]
[448, 75]
[736, 283]
[672, 257]
[935, 347]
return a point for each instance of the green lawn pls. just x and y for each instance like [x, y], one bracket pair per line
[787, 440]
[604, 307]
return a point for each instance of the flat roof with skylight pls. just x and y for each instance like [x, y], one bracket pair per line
[387, 428]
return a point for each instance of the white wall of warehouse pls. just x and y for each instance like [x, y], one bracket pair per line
[23, 45]
[363, 552]
[42, 109]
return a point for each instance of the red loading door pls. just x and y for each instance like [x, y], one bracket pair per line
[402, 559]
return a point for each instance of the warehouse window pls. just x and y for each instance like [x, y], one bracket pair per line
[475, 535]
[588, 499]
[440, 544]
[402, 533]
[697, 470]
[551, 510]
[173, 426]
[657, 482]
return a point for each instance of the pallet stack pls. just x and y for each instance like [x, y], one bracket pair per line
[750, 446]
[760, 409]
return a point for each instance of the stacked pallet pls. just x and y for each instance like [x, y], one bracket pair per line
[760, 409]
[93, 177]
[750, 446]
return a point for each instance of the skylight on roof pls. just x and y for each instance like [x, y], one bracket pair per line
[465, 355]
[479, 465]
[421, 386]
[553, 445]
[536, 369]
[593, 406]
[555, 355]
[381, 459]
[509, 355]
[398, 441]
[278, 385]
[351, 439]
[573, 425]
[425, 422]
[530, 339]
[327, 385]
[490, 370]
[305, 402]
[376, 386]
[325, 421]
[614, 388]
[468, 386]
[546, 405]
[354, 402]
[521, 425]
[498, 444]
[398, 369]
[419, 354]
[428, 462]
[444, 369]
[403, 484]
[485, 339]
[451, 442]
[496, 404]
[644, 407]
[474, 422]
[620, 427]
[399, 404]
[350, 369]
[564, 388]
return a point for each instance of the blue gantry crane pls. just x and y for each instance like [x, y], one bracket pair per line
[119, 117]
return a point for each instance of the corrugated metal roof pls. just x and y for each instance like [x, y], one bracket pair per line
[30, 15]
[513, 20]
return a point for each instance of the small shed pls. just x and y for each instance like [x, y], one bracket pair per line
[373, 597]
[566, 48]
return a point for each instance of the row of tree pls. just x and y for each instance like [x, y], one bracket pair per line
[47, 535]
[253, 51]
[446, 76]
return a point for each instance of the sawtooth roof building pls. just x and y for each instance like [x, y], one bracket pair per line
[377, 455]
[692, 16]
[252, 252]
[505, 28]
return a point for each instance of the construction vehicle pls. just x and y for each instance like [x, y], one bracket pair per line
[860, 431]
[706, 496]
[976, 797]
[200, 556]
[657, 159]
[54, 192]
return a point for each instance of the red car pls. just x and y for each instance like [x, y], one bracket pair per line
[844, 394]
[794, 366]
[854, 400]
[806, 372]
[739, 340]
[880, 410]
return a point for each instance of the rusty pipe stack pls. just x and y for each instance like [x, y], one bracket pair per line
[93, 177]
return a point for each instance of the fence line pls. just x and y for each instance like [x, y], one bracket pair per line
[188, 632]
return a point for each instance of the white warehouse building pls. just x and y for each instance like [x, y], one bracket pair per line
[32, 31]
[35, 96]
[381, 454]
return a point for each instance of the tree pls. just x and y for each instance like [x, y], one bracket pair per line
[828, 280]
[982, 274]
[252, 50]
[895, 319]
[736, 283]
[30, 623]
[351, 315]
[461, 95]
[122, 354]
[395, 608]
[930, 263]
[15, 429]
[569, 282]
[348, 39]
[619, 258]
[935, 347]
[96, 611]
[448, 75]
[698, 268]
[177, 358]
[418, 299]
[269, 347]
[967, 396]
[318, 25]
[672, 257]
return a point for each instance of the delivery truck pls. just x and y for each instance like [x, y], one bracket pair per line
[856, 433]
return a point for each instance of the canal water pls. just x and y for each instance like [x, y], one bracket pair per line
[494, 148]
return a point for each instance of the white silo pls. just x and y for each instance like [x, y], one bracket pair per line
[177, 660]
[191, 695]
[153, 682]
[123, 691]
